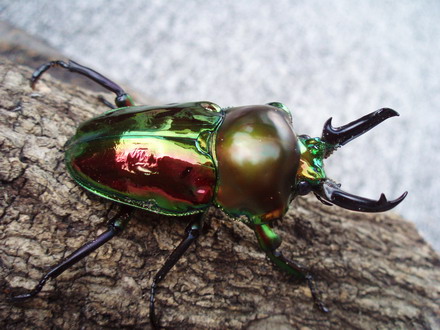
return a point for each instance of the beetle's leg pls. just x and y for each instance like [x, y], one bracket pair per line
[192, 232]
[122, 98]
[269, 241]
[115, 226]
[105, 102]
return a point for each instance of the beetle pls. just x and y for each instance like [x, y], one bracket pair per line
[182, 159]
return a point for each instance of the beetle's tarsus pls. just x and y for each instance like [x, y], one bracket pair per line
[307, 276]
[25, 296]
[192, 231]
[312, 286]
[269, 242]
[115, 226]
[43, 68]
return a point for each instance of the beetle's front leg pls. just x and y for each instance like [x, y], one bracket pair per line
[115, 226]
[269, 241]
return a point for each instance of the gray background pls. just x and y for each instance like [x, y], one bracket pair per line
[339, 59]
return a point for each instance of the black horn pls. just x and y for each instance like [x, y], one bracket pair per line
[328, 191]
[339, 136]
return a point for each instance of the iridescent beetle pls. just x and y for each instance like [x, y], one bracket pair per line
[181, 159]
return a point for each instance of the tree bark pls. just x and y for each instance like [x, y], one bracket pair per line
[373, 270]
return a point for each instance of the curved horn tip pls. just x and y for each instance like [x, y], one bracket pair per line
[331, 193]
[384, 204]
[400, 198]
[389, 112]
[328, 123]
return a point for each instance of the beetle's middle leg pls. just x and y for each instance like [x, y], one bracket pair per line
[192, 232]
[269, 241]
[106, 103]
[115, 226]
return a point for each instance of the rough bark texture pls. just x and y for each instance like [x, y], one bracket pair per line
[374, 270]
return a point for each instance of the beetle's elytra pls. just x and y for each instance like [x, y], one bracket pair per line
[181, 159]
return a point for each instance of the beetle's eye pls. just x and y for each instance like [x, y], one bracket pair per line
[303, 188]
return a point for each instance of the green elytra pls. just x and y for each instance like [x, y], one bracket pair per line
[181, 159]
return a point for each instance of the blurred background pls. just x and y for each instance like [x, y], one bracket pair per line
[340, 59]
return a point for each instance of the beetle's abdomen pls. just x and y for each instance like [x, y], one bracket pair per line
[152, 158]
[258, 156]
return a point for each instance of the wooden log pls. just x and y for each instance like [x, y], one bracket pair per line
[373, 270]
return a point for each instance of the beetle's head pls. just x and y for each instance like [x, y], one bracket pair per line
[311, 176]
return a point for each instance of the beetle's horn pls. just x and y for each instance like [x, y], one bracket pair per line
[329, 192]
[339, 136]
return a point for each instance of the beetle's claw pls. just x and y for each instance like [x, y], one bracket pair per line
[331, 193]
[19, 298]
[320, 305]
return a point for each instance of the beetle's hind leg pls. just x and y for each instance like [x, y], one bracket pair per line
[269, 241]
[122, 98]
[115, 226]
[192, 232]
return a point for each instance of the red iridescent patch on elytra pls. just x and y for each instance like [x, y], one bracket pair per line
[149, 168]
[155, 158]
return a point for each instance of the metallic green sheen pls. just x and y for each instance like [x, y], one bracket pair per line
[154, 158]
[258, 157]
[311, 166]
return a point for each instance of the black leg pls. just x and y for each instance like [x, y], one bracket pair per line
[192, 233]
[105, 102]
[122, 98]
[115, 226]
